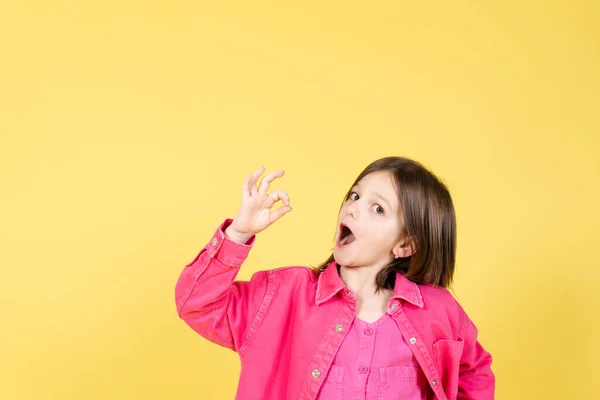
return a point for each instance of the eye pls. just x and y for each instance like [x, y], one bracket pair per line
[352, 194]
[378, 209]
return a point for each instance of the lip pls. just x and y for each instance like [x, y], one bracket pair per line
[343, 223]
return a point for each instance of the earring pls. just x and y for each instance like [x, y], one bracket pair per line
[396, 256]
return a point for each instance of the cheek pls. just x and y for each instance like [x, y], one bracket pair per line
[383, 236]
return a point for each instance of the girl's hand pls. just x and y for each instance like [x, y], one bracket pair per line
[255, 214]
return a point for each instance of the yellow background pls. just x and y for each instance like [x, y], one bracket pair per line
[128, 127]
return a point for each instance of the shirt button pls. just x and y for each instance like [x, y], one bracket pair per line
[339, 327]
[434, 383]
[363, 370]
[412, 340]
[316, 373]
[368, 331]
[214, 241]
[394, 306]
[349, 295]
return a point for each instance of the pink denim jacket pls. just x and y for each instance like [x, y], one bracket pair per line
[285, 325]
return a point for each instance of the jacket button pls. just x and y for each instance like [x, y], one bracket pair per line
[339, 327]
[412, 340]
[363, 370]
[316, 373]
[434, 383]
[214, 241]
[394, 306]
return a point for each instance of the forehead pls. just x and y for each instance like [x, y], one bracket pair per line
[381, 182]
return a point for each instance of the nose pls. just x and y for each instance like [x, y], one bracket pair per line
[352, 210]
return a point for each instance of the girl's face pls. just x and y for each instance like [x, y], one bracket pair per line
[370, 223]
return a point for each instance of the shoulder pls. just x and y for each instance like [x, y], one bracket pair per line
[289, 282]
[441, 299]
[435, 293]
[292, 273]
[297, 272]
[443, 310]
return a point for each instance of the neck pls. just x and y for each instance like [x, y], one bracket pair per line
[371, 305]
[361, 280]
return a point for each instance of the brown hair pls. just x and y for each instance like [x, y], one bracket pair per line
[429, 219]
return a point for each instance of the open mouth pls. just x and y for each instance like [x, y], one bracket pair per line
[346, 236]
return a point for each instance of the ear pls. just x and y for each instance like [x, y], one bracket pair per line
[405, 248]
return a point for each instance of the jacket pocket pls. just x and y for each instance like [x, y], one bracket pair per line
[333, 386]
[399, 382]
[447, 354]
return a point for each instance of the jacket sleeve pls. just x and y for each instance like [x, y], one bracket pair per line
[476, 380]
[211, 301]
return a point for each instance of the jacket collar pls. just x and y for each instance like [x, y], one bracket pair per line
[407, 290]
[330, 284]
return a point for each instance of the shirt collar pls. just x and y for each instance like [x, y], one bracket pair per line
[330, 284]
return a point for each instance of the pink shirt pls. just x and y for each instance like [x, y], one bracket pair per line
[374, 363]
[283, 323]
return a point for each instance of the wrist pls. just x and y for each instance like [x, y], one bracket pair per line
[238, 237]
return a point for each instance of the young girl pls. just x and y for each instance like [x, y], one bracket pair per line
[374, 321]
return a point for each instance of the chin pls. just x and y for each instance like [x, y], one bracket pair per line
[345, 261]
[340, 259]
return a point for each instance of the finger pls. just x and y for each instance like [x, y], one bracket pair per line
[280, 212]
[246, 187]
[280, 194]
[255, 175]
[266, 181]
